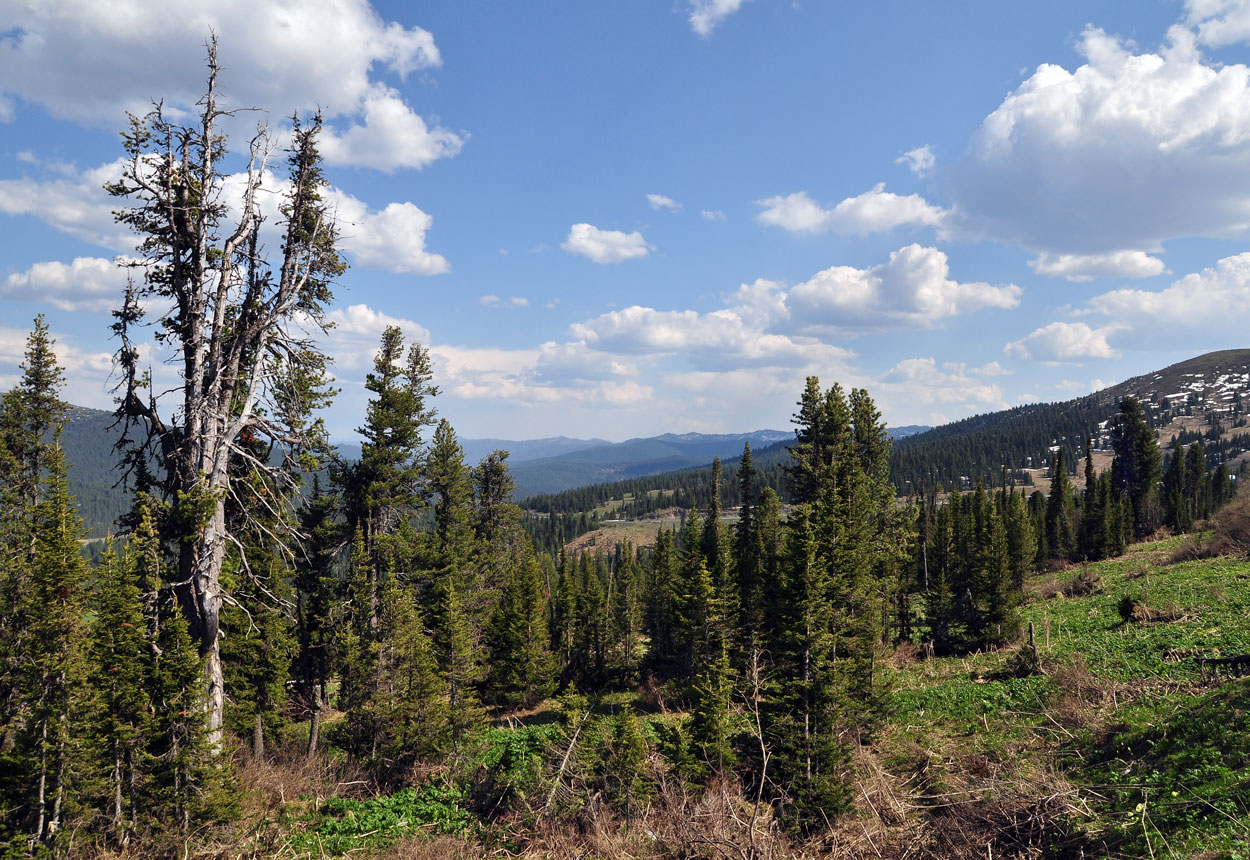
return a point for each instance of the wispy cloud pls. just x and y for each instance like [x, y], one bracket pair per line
[707, 15]
[497, 302]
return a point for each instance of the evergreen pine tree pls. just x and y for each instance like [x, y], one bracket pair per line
[1060, 530]
[315, 585]
[770, 540]
[412, 703]
[381, 489]
[520, 670]
[29, 415]
[1197, 485]
[747, 550]
[589, 657]
[1021, 538]
[563, 614]
[461, 663]
[185, 787]
[356, 648]
[55, 687]
[660, 605]
[450, 483]
[1090, 543]
[716, 548]
[1136, 469]
[1176, 507]
[624, 610]
[121, 661]
[711, 730]
[802, 714]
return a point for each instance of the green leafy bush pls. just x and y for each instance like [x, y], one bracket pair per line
[346, 825]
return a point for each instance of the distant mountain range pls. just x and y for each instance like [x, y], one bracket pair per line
[518, 451]
[537, 465]
[1216, 384]
[632, 458]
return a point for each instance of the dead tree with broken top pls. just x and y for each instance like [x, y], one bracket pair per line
[240, 324]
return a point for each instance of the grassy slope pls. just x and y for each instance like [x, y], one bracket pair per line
[1134, 747]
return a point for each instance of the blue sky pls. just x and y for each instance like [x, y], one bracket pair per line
[622, 219]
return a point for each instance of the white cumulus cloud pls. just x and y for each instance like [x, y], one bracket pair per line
[873, 211]
[1219, 22]
[923, 381]
[913, 289]
[392, 239]
[1126, 151]
[1064, 343]
[1085, 267]
[90, 62]
[87, 284]
[604, 246]
[389, 136]
[356, 331]
[730, 337]
[1195, 307]
[71, 201]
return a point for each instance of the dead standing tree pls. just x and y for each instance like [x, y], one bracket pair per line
[238, 324]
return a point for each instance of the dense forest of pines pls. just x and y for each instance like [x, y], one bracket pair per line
[399, 607]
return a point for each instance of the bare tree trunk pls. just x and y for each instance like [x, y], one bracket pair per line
[807, 709]
[54, 823]
[117, 788]
[42, 795]
[258, 735]
[314, 727]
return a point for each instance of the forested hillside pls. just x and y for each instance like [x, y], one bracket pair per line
[1204, 399]
[1215, 386]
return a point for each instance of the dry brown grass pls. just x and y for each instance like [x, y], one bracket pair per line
[1232, 527]
[716, 822]
[905, 654]
[1080, 697]
[1134, 611]
[428, 848]
[1085, 583]
[965, 807]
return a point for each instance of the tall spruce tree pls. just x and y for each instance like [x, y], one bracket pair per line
[30, 414]
[1060, 516]
[461, 661]
[520, 671]
[716, 550]
[381, 489]
[1197, 484]
[412, 705]
[316, 583]
[1136, 469]
[55, 666]
[660, 607]
[121, 661]
[747, 551]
